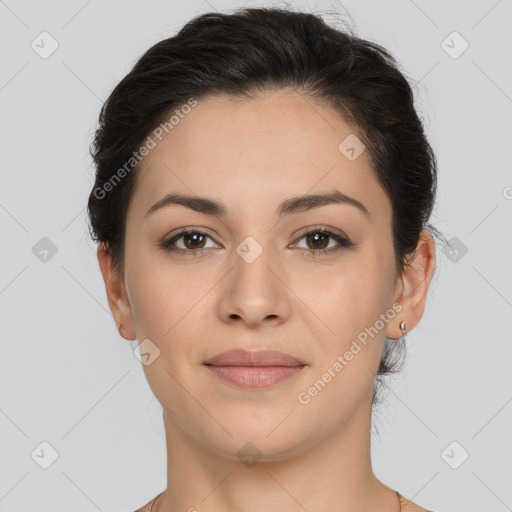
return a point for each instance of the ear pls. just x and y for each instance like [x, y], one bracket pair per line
[412, 286]
[116, 295]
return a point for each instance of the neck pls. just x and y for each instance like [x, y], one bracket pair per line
[332, 473]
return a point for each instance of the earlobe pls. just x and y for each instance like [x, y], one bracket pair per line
[122, 331]
[116, 296]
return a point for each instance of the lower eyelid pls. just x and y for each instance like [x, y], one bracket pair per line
[341, 243]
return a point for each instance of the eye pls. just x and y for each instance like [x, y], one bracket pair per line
[318, 239]
[194, 241]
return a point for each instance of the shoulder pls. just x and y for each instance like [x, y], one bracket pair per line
[409, 506]
[147, 507]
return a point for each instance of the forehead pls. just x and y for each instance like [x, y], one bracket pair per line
[258, 151]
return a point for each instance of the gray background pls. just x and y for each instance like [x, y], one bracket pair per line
[68, 379]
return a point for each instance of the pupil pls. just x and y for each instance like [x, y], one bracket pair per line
[317, 237]
[195, 236]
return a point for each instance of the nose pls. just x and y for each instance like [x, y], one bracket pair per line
[254, 292]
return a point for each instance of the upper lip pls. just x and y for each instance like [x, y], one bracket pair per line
[254, 358]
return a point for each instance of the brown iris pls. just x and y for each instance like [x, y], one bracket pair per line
[315, 236]
[195, 237]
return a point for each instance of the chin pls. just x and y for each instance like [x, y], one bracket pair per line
[268, 439]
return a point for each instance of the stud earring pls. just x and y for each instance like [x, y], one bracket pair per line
[402, 328]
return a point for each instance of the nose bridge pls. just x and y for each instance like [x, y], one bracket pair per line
[251, 274]
[252, 291]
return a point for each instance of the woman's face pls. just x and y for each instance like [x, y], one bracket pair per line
[255, 282]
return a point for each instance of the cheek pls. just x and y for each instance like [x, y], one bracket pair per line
[353, 341]
[166, 300]
[346, 295]
[348, 303]
[153, 298]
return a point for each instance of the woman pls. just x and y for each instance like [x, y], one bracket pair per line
[261, 201]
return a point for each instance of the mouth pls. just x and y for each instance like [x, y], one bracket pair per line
[254, 370]
[254, 376]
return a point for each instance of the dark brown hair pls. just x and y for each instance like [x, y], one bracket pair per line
[254, 50]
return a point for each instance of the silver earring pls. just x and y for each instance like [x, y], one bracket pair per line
[402, 328]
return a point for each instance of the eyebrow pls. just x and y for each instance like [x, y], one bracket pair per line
[290, 206]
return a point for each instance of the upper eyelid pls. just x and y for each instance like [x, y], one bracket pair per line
[330, 232]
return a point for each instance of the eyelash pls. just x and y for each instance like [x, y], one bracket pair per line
[344, 243]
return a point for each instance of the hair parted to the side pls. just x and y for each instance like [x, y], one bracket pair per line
[252, 51]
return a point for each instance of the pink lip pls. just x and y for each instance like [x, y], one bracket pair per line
[254, 376]
[254, 369]
[254, 358]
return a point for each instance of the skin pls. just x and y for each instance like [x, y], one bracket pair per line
[251, 155]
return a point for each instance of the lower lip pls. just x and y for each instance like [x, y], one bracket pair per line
[254, 376]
